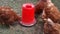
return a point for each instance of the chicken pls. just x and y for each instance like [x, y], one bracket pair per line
[39, 7]
[8, 16]
[50, 27]
[52, 12]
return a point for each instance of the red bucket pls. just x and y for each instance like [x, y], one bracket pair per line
[28, 11]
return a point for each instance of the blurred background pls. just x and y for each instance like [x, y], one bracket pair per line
[18, 29]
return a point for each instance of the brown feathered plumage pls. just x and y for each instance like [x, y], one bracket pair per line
[39, 7]
[51, 25]
[8, 16]
[52, 12]
[50, 15]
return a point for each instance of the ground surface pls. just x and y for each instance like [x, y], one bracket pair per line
[18, 29]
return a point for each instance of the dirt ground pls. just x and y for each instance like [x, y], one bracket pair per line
[18, 29]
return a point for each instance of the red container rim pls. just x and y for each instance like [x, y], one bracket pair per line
[28, 5]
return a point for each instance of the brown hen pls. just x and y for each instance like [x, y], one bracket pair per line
[39, 7]
[52, 12]
[8, 16]
[50, 27]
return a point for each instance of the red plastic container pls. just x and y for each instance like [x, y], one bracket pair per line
[28, 11]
